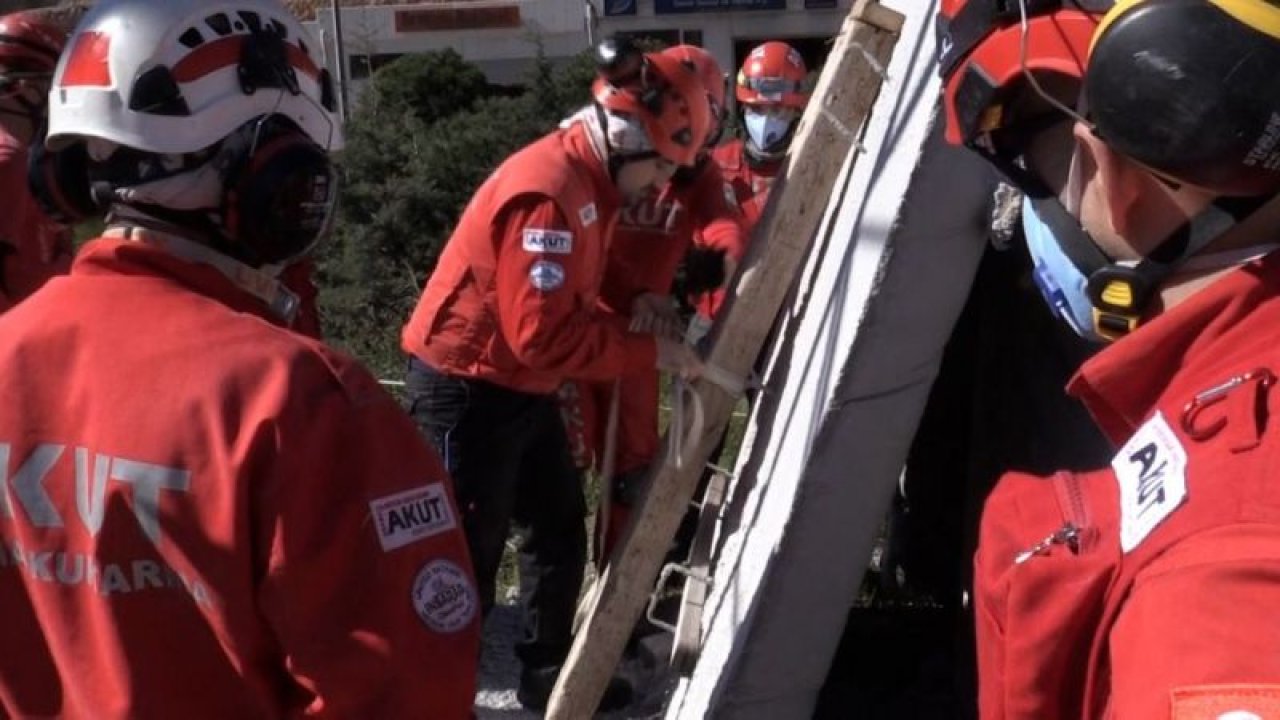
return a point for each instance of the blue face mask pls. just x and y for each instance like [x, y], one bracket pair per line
[766, 129]
[1061, 283]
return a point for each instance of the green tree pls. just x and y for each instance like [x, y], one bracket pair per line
[417, 149]
[430, 86]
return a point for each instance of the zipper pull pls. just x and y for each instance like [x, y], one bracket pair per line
[1068, 535]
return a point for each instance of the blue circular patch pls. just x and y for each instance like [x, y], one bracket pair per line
[546, 275]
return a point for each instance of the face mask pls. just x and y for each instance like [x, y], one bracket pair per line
[766, 129]
[1061, 283]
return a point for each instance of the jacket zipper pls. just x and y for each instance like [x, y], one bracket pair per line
[1076, 518]
[1068, 535]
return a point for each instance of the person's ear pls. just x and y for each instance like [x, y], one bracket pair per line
[1117, 185]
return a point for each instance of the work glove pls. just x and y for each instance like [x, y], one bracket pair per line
[655, 314]
[704, 270]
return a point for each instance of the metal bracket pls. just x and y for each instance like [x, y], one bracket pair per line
[650, 613]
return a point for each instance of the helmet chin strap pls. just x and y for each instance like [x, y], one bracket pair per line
[1228, 258]
[1122, 290]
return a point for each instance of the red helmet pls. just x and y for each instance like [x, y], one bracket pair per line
[663, 93]
[708, 70]
[982, 56]
[29, 49]
[773, 74]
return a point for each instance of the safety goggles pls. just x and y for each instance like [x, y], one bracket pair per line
[772, 87]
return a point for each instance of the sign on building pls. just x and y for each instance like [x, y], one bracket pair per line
[667, 7]
[619, 7]
[455, 18]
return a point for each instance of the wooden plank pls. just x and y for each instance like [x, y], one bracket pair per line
[842, 101]
[688, 634]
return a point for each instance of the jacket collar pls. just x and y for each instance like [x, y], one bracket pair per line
[584, 157]
[118, 255]
[1122, 385]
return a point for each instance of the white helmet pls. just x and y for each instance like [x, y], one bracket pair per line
[164, 76]
[213, 115]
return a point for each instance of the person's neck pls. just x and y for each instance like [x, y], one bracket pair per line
[125, 217]
[261, 282]
[760, 160]
[1255, 236]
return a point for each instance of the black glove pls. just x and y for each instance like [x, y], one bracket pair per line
[686, 175]
[703, 270]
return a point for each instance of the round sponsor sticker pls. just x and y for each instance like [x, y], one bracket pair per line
[546, 275]
[444, 596]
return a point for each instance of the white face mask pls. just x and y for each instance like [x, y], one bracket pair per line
[768, 127]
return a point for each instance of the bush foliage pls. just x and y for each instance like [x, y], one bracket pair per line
[425, 133]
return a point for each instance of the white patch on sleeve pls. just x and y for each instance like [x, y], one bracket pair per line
[546, 275]
[445, 597]
[556, 242]
[412, 515]
[731, 197]
[587, 215]
[1152, 471]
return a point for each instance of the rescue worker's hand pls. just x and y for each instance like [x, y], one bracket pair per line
[705, 270]
[677, 358]
[655, 314]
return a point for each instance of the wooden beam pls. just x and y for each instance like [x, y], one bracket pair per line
[832, 122]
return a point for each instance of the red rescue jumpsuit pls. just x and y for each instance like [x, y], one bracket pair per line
[33, 248]
[1150, 589]
[509, 314]
[747, 185]
[204, 515]
[651, 239]
[512, 300]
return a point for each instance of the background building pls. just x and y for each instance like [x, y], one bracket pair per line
[500, 36]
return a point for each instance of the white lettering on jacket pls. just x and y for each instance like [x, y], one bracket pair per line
[412, 515]
[29, 487]
[1152, 471]
[104, 578]
[658, 215]
[556, 242]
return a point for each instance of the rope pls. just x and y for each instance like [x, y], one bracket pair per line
[875, 64]
[681, 441]
[843, 129]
